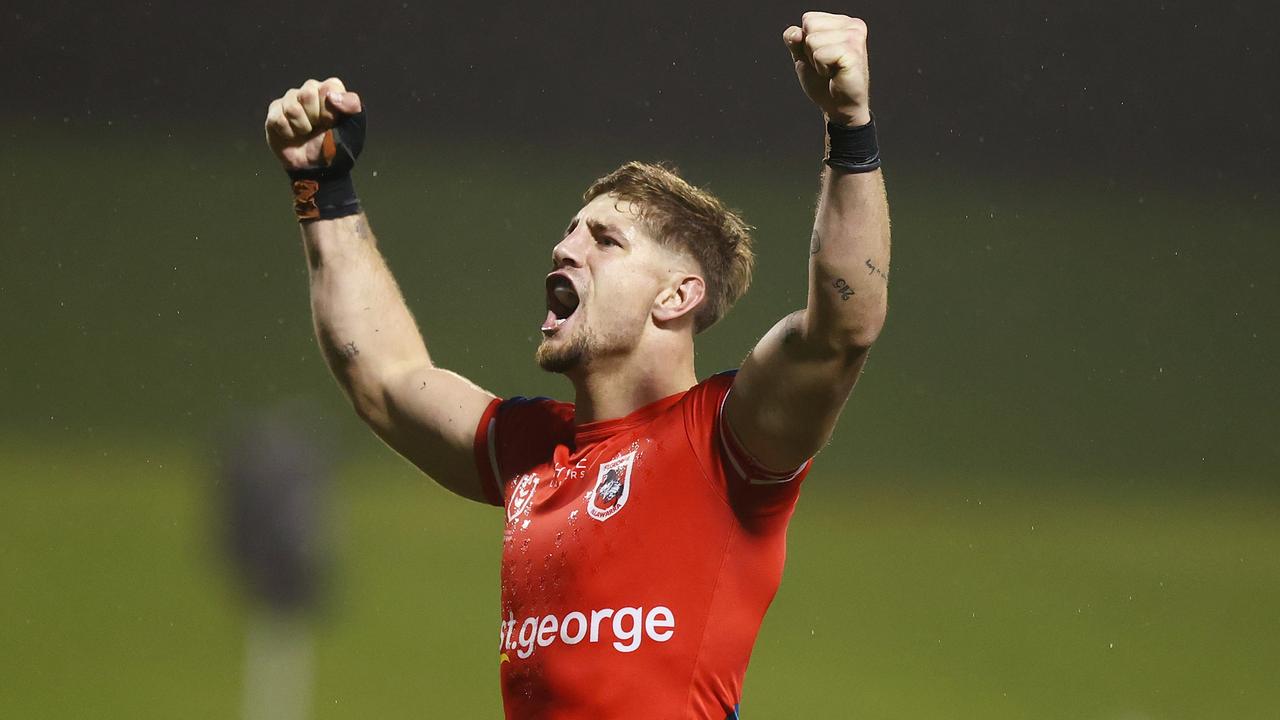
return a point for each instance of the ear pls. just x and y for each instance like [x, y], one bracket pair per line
[679, 300]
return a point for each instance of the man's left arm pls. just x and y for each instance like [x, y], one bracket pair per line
[790, 390]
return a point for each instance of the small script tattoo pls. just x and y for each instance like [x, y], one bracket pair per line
[815, 243]
[873, 270]
[362, 230]
[350, 350]
[843, 288]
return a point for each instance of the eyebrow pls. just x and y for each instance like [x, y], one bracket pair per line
[602, 228]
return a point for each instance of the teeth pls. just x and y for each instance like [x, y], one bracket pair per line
[552, 323]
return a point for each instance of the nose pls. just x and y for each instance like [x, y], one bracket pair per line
[568, 252]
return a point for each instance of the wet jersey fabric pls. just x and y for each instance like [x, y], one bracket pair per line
[639, 556]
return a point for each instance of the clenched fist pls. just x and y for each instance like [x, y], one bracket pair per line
[830, 53]
[297, 122]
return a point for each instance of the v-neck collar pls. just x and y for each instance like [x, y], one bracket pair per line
[592, 432]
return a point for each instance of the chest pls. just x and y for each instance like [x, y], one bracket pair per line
[592, 521]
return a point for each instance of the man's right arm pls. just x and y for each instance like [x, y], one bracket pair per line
[373, 346]
[366, 332]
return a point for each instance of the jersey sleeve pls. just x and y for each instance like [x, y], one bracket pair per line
[749, 487]
[514, 435]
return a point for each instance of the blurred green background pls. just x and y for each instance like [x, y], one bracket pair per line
[1054, 494]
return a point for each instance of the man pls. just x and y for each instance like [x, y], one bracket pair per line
[646, 521]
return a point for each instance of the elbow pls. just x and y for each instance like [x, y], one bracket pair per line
[847, 341]
[369, 412]
[374, 396]
[369, 399]
[369, 384]
[368, 405]
[864, 329]
[859, 339]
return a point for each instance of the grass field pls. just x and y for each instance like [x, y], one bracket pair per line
[924, 598]
[1054, 495]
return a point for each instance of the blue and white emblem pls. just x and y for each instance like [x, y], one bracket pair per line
[613, 487]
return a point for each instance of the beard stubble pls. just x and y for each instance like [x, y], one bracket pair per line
[587, 345]
[564, 358]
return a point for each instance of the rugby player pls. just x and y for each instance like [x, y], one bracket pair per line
[646, 520]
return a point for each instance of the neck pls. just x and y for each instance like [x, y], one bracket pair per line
[615, 389]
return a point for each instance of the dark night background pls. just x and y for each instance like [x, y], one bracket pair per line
[1053, 495]
[1134, 90]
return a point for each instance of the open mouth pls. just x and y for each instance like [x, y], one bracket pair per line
[562, 302]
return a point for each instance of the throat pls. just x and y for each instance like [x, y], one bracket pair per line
[610, 390]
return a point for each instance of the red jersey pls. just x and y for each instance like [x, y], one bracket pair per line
[639, 557]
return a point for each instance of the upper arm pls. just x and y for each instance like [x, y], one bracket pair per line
[789, 392]
[429, 415]
[791, 388]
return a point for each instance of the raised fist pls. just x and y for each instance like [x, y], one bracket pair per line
[830, 53]
[296, 122]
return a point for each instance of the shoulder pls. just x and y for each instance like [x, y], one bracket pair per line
[530, 421]
[749, 487]
[717, 384]
[542, 407]
[703, 401]
[519, 432]
[700, 410]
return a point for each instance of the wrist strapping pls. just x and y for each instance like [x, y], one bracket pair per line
[853, 150]
[326, 192]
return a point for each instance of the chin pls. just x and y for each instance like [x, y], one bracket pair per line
[583, 346]
[561, 357]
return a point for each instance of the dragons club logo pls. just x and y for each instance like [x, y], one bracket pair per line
[613, 487]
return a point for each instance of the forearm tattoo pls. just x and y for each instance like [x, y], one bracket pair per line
[815, 242]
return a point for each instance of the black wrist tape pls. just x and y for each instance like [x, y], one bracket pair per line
[853, 150]
[326, 192]
[323, 198]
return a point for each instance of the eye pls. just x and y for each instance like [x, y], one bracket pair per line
[606, 240]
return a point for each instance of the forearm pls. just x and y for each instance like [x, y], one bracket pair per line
[364, 328]
[849, 260]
